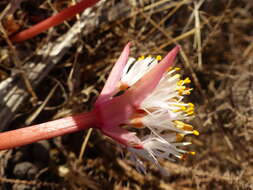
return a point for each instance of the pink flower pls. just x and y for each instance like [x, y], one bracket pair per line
[116, 111]
[151, 98]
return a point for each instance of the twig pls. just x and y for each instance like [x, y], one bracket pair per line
[67, 13]
[85, 141]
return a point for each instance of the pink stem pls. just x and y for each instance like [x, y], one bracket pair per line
[53, 20]
[47, 130]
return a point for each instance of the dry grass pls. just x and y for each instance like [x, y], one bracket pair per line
[217, 53]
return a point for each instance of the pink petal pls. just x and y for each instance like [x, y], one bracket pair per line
[110, 87]
[122, 136]
[111, 114]
[140, 90]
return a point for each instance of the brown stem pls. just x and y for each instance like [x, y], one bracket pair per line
[66, 14]
[47, 130]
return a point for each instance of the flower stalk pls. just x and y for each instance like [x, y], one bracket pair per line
[54, 20]
[27, 135]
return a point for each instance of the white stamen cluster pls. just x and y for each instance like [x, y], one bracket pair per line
[162, 112]
[135, 69]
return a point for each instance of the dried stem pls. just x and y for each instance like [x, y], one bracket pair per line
[66, 14]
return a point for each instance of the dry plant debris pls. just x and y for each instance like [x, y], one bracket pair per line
[217, 53]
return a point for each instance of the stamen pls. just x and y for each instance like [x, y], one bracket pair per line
[181, 89]
[195, 132]
[184, 156]
[123, 86]
[182, 108]
[190, 113]
[187, 80]
[189, 109]
[135, 145]
[182, 125]
[191, 104]
[141, 58]
[179, 137]
[140, 111]
[169, 69]
[192, 153]
[158, 58]
[187, 91]
[137, 123]
[180, 83]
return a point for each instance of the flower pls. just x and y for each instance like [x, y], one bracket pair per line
[151, 102]
[161, 108]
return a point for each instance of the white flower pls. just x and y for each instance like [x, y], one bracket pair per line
[161, 112]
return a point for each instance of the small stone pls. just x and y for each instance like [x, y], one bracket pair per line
[25, 170]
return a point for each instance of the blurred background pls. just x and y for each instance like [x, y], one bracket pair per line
[61, 71]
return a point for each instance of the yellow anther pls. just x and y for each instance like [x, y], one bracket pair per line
[189, 109]
[177, 105]
[149, 56]
[195, 132]
[178, 110]
[158, 58]
[183, 108]
[180, 83]
[178, 123]
[191, 104]
[181, 87]
[141, 58]
[181, 92]
[192, 153]
[177, 69]
[187, 80]
[190, 113]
